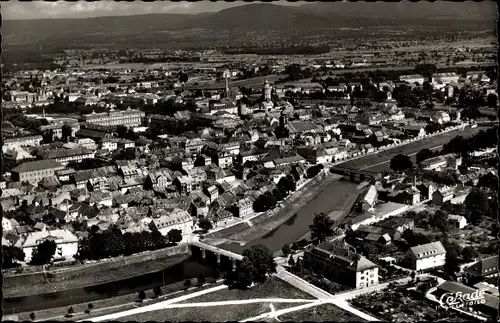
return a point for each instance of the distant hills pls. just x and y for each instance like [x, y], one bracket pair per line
[251, 17]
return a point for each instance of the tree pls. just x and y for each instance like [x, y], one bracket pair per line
[491, 100]
[291, 261]
[32, 316]
[401, 163]
[423, 155]
[244, 275]
[121, 131]
[187, 284]
[43, 253]
[66, 132]
[440, 220]
[451, 263]
[174, 236]
[412, 275]
[142, 296]
[216, 274]
[469, 254]
[157, 291]
[205, 224]
[70, 311]
[183, 77]
[286, 249]
[11, 255]
[414, 239]
[90, 306]
[262, 260]
[477, 204]
[426, 70]
[321, 228]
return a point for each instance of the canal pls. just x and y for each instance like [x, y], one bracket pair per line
[178, 273]
[337, 196]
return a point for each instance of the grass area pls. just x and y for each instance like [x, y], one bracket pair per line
[115, 304]
[200, 314]
[321, 313]
[273, 287]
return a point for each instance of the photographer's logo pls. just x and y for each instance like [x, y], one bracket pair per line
[461, 300]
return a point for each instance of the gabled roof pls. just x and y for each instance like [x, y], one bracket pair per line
[37, 166]
[484, 267]
[428, 250]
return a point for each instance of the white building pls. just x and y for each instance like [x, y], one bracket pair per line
[177, 219]
[430, 255]
[6, 225]
[412, 79]
[67, 243]
[445, 78]
[457, 220]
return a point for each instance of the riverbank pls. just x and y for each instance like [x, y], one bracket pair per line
[268, 222]
[115, 304]
[93, 274]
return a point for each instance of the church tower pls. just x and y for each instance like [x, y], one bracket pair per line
[267, 91]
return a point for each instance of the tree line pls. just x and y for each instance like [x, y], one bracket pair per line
[112, 243]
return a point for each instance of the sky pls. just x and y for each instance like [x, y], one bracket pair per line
[83, 9]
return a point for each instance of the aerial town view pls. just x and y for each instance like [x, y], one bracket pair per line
[234, 161]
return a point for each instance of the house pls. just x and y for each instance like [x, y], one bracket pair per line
[6, 225]
[213, 193]
[67, 243]
[174, 219]
[482, 269]
[367, 199]
[35, 171]
[457, 221]
[442, 195]
[245, 207]
[412, 79]
[342, 265]
[422, 257]
[441, 162]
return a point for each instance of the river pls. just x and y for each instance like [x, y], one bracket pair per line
[333, 198]
[184, 270]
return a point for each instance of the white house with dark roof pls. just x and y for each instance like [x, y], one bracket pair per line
[343, 265]
[430, 255]
[175, 219]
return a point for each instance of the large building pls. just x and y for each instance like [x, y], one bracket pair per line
[412, 79]
[445, 78]
[33, 172]
[342, 265]
[427, 256]
[128, 118]
[482, 269]
[22, 141]
[67, 243]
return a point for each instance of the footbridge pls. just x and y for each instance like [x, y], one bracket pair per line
[214, 255]
[354, 174]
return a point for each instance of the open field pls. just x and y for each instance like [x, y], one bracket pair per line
[321, 313]
[272, 288]
[372, 162]
[221, 313]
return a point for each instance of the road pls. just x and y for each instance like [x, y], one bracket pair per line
[370, 162]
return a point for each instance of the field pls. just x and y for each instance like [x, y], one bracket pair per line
[380, 161]
[272, 288]
[321, 313]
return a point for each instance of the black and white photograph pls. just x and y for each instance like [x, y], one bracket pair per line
[243, 161]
